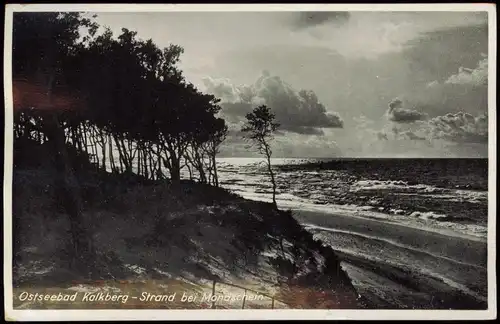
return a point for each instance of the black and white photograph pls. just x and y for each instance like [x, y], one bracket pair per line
[250, 161]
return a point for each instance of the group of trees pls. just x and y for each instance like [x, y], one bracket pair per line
[121, 100]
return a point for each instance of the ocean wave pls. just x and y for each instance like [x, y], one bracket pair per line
[425, 221]
[338, 191]
[427, 215]
[423, 190]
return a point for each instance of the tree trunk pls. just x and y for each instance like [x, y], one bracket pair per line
[95, 149]
[85, 139]
[139, 162]
[271, 173]
[201, 171]
[159, 172]
[190, 172]
[83, 255]
[172, 163]
[131, 153]
[121, 158]
[151, 163]
[175, 170]
[111, 155]
[145, 159]
[214, 167]
[103, 150]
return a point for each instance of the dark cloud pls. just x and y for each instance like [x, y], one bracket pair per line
[297, 111]
[305, 19]
[397, 113]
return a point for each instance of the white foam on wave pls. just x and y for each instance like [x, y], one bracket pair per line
[427, 215]
[471, 196]
[428, 221]
[396, 211]
[391, 184]
[423, 190]
[424, 221]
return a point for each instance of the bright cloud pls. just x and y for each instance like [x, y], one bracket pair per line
[296, 111]
[475, 77]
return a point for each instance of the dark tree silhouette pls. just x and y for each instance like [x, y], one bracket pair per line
[41, 44]
[119, 102]
[259, 128]
[127, 105]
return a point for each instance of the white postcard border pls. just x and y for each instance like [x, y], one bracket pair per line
[89, 315]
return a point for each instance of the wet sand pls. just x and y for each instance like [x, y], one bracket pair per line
[397, 266]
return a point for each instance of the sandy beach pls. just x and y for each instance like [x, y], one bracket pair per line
[397, 266]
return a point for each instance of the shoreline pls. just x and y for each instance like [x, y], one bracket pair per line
[455, 244]
[439, 231]
[299, 207]
[411, 263]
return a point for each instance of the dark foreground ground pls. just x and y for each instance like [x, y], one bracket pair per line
[153, 237]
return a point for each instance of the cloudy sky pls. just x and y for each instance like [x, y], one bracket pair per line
[353, 84]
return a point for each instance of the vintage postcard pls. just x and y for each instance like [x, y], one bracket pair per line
[167, 162]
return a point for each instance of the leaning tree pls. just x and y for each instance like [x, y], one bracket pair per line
[259, 127]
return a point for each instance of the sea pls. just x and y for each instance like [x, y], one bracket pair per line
[435, 194]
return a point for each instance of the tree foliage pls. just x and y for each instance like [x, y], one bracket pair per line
[124, 99]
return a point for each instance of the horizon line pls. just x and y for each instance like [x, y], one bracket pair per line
[359, 157]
